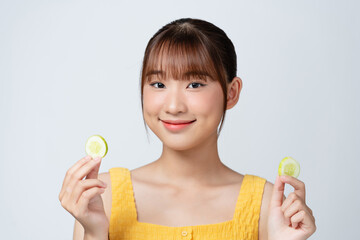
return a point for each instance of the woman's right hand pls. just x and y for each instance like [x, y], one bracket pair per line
[81, 197]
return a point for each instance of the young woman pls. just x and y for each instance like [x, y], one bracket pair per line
[188, 82]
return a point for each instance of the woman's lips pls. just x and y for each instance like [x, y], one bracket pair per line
[176, 125]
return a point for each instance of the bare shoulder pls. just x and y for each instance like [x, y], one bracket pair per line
[264, 212]
[268, 188]
[105, 177]
[106, 196]
[143, 173]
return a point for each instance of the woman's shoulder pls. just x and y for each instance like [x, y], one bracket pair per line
[106, 176]
[267, 188]
[116, 174]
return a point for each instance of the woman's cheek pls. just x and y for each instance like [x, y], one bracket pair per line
[152, 102]
[208, 105]
[212, 100]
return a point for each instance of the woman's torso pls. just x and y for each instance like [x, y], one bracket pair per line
[143, 210]
[189, 203]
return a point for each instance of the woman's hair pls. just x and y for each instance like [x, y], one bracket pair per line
[188, 48]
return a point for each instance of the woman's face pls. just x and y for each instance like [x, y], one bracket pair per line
[198, 101]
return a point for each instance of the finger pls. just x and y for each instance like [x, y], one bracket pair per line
[299, 186]
[64, 201]
[84, 185]
[278, 193]
[70, 200]
[93, 174]
[304, 221]
[86, 168]
[295, 207]
[297, 218]
[301, 218]
[294, 204]
[70, 173]
[86, 196]
[288, 201]
[79, 163]
[80, 174]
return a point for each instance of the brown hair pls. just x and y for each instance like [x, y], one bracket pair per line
[192, 46]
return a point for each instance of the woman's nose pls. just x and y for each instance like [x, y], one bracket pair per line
[175, 102]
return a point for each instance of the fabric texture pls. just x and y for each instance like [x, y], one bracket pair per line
[124, 224]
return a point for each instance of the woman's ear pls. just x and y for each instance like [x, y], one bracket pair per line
[234, 89]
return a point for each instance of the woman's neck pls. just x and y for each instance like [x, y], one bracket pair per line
[200, 165]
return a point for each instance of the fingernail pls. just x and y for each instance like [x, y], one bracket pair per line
[97, 159]
[88, 157]
[104, 184]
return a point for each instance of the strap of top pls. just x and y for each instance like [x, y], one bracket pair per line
[123, 211]
[248, 207]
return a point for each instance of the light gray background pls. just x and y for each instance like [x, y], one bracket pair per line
[70, 69]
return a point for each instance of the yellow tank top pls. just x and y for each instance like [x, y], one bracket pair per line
[124, 224]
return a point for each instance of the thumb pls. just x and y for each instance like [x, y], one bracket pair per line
[93, 174]
[278, 193]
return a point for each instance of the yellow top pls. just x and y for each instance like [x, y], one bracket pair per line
[124, 224]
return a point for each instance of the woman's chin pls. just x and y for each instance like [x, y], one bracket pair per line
[177, 146]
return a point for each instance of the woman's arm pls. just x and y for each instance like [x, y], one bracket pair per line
[264, 212]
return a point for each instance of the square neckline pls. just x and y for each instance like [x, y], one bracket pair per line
[231, 221]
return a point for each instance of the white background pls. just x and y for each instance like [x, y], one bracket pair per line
[70, 69]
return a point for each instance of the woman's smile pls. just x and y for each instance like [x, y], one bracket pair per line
[176, 125]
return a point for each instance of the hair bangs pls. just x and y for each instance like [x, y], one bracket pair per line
[182, 58]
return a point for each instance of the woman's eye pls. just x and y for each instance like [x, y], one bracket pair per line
[196, 85]
[191, 85]
[157, 85]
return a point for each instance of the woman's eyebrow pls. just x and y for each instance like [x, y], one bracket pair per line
[200, 74]
[188, 75]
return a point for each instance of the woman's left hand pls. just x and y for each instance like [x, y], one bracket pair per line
[291, 219]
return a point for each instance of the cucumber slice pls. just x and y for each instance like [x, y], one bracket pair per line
[96, 146]
[289, 166]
